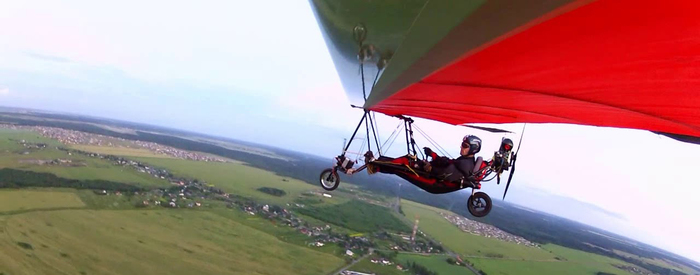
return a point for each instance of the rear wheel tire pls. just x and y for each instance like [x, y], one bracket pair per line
[479, 204]
[329, 179]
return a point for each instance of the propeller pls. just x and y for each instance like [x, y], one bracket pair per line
[513, 158]
[488, 129]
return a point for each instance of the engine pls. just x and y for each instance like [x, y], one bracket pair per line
[501, 158]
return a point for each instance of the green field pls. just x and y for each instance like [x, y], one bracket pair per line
[14, 200]
[8, 139]
[12, 155]
[366, 266]
[436, 263]
[100, 169]
[659, 262]
[517, 259]
[464, 243]
[357, 216]
[147, 242]
[503, 267]
[119, 151]
[236, 178]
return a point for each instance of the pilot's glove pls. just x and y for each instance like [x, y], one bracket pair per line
[427, 151]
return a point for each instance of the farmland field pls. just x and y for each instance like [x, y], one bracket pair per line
[464, 243]
[516, 259]
[368, 267]
[147, 242]
[502, 267]
[235, 178]
[14, 155]
[120, 151]
[100, 169]
[9, 137]
[358, 216]
[659, 262]
[14, 200]
[436, 263]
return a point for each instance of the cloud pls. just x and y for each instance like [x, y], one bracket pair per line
[50, 58]
[4, 91]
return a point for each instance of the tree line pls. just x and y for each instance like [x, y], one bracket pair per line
[12, 178]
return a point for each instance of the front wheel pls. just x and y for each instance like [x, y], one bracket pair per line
[329, 179]
[479, 204]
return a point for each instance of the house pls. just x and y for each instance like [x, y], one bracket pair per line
[349, 253]
[399, 267]
[172, 204]
[327, 195]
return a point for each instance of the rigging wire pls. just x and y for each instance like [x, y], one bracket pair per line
[369, 144]
[362, 75]
[438, 148]
[374, 134]
[391, 136]
[433, 142]
[392, 141]
[362, 147]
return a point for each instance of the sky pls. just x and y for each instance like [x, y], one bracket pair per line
[260, 71]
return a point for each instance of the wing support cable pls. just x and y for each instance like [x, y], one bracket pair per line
[433, 142]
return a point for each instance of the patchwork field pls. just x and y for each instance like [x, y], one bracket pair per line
[119, 151]
[358, 216]
[147, 242]
[503, 267]
[435, 263]
[366, 266]
[660, 262]
[14, 155]
[17, 200]
[573, 262]
[515, 259]
[236, 178]
[9, 138]
[464, 243]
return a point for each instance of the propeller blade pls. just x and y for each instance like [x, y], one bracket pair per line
[510, 177]
[522, 134]
[515, 157]
[489, 129]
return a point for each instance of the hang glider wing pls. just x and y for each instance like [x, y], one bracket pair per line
[614, 63]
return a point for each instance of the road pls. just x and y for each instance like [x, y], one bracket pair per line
[447, 251]
[371, 250]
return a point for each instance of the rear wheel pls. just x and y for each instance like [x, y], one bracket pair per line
[329, 179]
[479, 204]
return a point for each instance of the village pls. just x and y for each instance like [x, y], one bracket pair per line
[193, 193]
[70, 137]
[485, 230]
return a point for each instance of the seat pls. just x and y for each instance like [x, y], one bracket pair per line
[477, 164]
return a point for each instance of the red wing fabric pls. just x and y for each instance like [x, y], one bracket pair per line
[618, 63]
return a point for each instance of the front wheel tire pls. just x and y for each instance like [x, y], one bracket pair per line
[479, 204]
[329, 179]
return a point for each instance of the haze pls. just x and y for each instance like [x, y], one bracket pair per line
[260, 71]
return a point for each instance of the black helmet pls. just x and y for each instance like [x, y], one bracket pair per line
[474, 144]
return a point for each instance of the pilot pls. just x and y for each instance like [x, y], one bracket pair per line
[453, 170]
